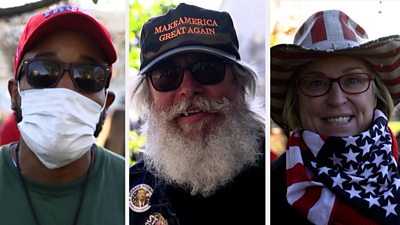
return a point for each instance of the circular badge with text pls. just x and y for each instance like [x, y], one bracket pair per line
[139, 197]
[156, 219]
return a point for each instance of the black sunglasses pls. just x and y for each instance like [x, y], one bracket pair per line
[168, 78]
[45, 73]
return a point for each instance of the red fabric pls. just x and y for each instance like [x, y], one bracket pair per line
[9, 130]
[273, 156]
[345, 214]
[395, 147]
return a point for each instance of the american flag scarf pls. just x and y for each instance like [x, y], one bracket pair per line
[361, 171]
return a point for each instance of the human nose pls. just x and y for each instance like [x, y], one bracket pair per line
[336, 95]
[66, 80]
[189, 86]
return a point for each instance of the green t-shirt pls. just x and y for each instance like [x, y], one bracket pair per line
[56, 204]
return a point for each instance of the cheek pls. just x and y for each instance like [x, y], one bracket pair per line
[221, 91]
[161, 100]
[302, 109]
[98, 97]
[368, 104]
[307, 108]
[226, 88]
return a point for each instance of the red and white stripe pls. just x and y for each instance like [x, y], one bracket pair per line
[309, 197]
[327, 28]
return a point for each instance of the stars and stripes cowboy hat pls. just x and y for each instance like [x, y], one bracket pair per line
[331, 32]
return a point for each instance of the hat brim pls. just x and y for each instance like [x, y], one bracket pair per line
[382, 53]
[185, 49]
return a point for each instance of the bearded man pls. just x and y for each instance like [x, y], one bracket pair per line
[205, 147]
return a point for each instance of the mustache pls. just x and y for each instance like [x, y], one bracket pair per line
[197, 103]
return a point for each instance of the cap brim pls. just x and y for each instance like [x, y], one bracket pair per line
[382, 53]
[185, 49]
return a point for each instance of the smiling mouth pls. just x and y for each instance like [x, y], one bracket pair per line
[191, 112]
[339, 120]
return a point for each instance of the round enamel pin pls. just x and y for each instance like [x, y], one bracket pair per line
[139, 197]
[156, 219]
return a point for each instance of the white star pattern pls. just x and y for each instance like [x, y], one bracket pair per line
[387, 147]
[335, 160]
[386, 194]
[373, 179]
[390, 208]
[372, 201]
[383, 170]
[376, 139]
[369, 189]
[353, 192]
[338, 180]
[351, 170]
[366, 174]
[383, 130]
[396, 182]
[366, 148]
[350, 156]
[351, 140]
[324, 170]
[378, 159]
[365, 135]
[355, 179]
[383, 186]
[375, 127]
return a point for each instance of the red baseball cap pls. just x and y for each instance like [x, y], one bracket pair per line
[66, 17]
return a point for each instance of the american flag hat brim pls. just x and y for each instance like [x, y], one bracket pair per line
[328, 33]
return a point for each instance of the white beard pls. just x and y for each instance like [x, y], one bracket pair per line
[203, 165]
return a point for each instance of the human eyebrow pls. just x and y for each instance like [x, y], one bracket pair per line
[91, 59]
[44, 54]
[350, 69]
[313, 74]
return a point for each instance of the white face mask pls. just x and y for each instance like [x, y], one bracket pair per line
[58, 124]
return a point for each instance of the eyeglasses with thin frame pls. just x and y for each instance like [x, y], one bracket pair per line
[169, 77]
[352, 83]
[46, 73]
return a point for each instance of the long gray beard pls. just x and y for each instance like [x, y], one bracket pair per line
[205, 164]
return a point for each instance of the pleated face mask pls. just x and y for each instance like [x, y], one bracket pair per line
[58, 124]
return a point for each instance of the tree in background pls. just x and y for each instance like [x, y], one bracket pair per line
[138, 15]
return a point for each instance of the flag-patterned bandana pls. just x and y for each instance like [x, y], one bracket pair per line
[359, 170]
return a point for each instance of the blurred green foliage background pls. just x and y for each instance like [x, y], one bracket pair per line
[138, 15]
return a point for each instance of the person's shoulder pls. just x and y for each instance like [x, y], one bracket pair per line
[137, 168]
[3, 150]
[5, 156]
[110, 158]
[279, 163]
[110, 154]
[139, 173]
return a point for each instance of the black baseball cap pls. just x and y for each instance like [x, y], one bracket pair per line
[187, 28]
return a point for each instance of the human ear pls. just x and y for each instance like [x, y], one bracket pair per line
[13, 91]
